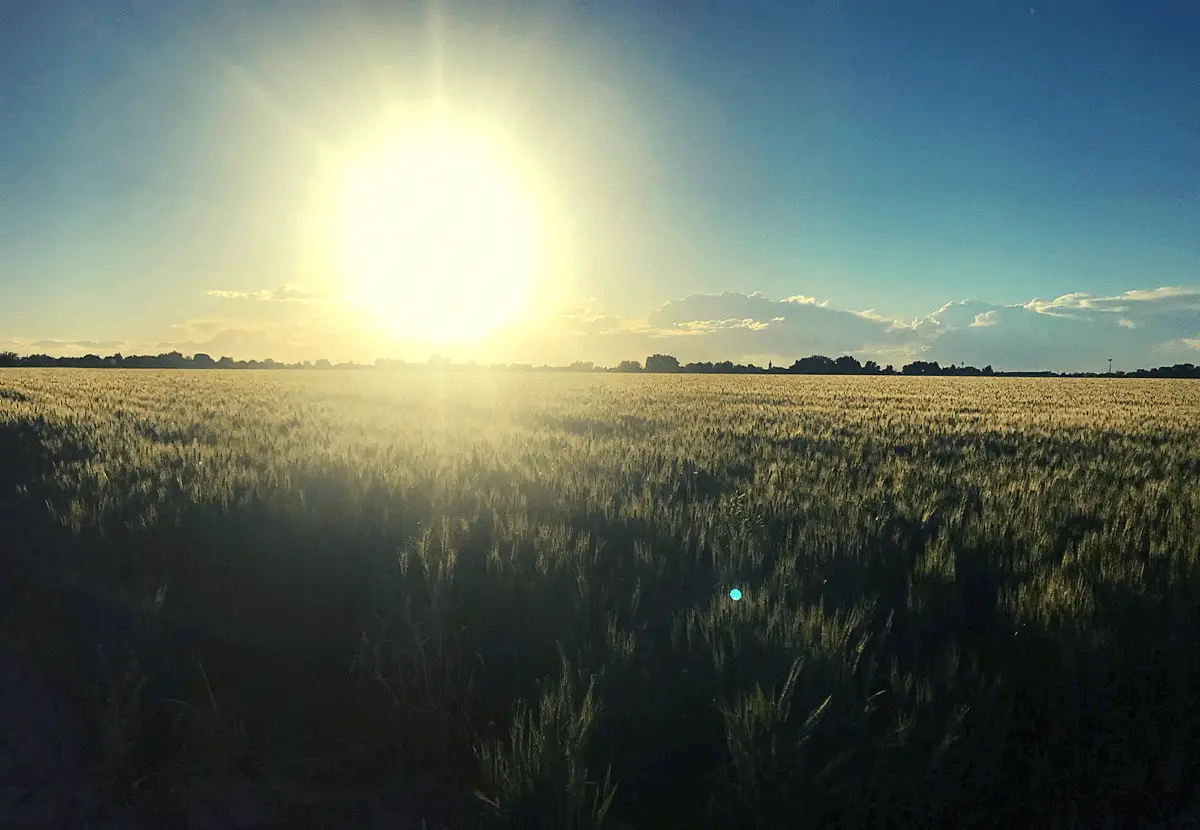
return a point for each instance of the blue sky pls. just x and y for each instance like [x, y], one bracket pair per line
[163, 173]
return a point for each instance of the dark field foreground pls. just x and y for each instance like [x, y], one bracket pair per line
[503, 600]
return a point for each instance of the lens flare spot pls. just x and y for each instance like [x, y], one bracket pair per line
[735, 594]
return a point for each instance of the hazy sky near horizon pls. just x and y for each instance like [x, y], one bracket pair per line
[994, 182]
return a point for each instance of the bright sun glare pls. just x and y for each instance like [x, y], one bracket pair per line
[440, 240]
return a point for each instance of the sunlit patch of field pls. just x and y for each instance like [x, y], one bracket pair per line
[957, 591]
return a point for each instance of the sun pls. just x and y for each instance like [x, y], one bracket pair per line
[439, 239]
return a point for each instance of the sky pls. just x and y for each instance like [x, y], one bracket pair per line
[979, 181]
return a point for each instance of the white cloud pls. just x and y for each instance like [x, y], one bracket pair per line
[1127, 324]
[955, 315]
[1065, 302]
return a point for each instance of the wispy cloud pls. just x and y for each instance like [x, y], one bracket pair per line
[1160, 293]
[59, 347]
[709, 326]
[81, 344]
[199, 327]
[284, 293]
[1116, 304]
[871, 314]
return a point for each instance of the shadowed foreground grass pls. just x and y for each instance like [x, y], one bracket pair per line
[967, 602]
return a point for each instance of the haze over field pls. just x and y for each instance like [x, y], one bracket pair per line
[550, 182]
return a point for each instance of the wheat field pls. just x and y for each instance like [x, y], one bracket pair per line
[966, 601]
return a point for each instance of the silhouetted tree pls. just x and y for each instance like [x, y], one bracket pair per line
[922, 367]
[847, 365]
[629, 366]
[817, 364]
[661, 363]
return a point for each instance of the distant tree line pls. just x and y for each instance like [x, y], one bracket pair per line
[169, 360]
[655, 364]
[848, 365]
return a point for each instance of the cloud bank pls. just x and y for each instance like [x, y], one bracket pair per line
[1074, 332]
[1143, 327]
